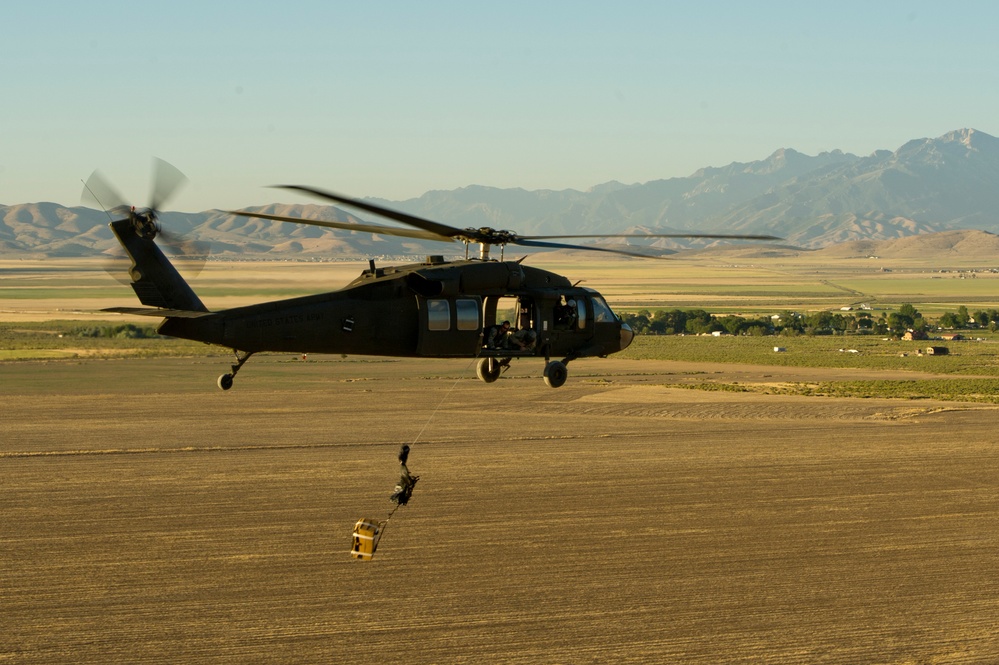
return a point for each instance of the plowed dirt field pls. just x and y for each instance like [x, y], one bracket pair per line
[146, 516]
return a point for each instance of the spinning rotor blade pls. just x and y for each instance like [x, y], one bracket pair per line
[166, 181]
[722, 236]
[116, 264]
[590, 248]
[368, 228]
[190, 255]
[489, 236]
[98, 190]
[420, 223]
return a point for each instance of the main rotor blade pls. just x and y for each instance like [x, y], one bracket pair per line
[721, 236]
[166, 180]
[369, 228]
[420, 223]
[588, 248]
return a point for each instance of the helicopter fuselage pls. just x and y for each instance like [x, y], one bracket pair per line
[489, 310]
[432, 309]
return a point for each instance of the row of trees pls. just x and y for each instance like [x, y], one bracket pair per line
[123, 331]
[907, 317]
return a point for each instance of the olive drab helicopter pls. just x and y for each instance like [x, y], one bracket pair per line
[435, 309]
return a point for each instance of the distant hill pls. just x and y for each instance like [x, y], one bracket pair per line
[966, 243]
[925, 186]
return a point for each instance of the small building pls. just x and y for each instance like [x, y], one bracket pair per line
[937, 350]
[914, 334]
[952, 336]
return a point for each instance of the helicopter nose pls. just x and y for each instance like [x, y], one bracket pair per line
[626, 336]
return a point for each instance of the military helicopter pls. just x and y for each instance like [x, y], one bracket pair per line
[435, 309]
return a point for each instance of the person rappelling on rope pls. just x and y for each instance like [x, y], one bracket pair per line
[368, 532]
[407, 481]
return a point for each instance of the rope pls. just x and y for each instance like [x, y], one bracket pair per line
[431, 417]
[444, 399]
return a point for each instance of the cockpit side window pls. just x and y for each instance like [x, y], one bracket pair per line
[601, 311]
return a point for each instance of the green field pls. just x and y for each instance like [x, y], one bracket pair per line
[966, 357]
[768, 285]
[43, 305]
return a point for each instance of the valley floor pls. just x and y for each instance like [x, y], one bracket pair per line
[149, 517]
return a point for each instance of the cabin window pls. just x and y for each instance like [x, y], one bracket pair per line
[438, 315]
[601, 312]
[468, 314]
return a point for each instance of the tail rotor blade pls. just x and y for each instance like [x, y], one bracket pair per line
[117, 264]
[97, 190]
[167, 179]
[191, 255]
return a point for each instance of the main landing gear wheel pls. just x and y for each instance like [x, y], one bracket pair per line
[488, 369]
[555, 374]
[225, 381]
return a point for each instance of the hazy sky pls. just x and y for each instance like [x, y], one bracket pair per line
[392, 99]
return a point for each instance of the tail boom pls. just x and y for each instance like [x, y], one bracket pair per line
[155, 280]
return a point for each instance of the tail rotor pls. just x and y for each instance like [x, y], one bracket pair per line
[166, 181]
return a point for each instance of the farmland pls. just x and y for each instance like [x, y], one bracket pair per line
[694, 499]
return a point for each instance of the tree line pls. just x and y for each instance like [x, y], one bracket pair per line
[907, 317]
[122, 331]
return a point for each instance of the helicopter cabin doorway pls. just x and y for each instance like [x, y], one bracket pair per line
[521, 338]
[449, 326]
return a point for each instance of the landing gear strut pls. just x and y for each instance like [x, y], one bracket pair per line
[225, 381]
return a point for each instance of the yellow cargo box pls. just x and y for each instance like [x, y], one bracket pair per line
[367, 533]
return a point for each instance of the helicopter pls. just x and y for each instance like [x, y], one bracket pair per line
[436, 308]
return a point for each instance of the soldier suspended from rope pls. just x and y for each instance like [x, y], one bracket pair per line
[368, 532]
[407, 481]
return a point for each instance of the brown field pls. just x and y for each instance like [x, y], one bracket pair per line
[35, 290]
[149, 517]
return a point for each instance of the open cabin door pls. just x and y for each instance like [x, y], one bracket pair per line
[449, 326]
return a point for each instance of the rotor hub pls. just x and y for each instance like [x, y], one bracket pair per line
[144, 222]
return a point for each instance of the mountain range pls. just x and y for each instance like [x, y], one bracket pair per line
[925, 186]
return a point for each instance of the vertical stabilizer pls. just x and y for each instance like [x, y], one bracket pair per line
[154, 279]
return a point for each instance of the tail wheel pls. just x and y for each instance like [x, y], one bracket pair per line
[555, 374]
[225, 381]
[488, 369]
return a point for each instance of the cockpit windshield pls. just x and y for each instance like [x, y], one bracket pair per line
[601, 311]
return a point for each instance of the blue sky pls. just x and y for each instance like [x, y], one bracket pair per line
[393, 99]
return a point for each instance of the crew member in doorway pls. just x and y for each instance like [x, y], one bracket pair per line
[495, 337]
[522, 340]
[565, 314]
